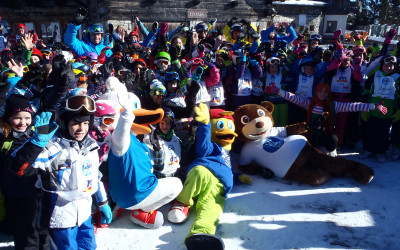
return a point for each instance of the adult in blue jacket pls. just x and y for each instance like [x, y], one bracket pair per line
[92, 41]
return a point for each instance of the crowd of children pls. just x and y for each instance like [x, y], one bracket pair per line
[66, 114]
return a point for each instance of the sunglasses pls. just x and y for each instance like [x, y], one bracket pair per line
[76, 103]
[391, 59]
[107, 120]
[172, 76]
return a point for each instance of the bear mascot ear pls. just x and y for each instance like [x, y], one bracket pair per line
[268, 106]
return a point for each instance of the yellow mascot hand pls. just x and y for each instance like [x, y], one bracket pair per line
[202, 113]
[245, 179]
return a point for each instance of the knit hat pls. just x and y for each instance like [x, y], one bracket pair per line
[36, 52]
[157, 88]
[15, 104]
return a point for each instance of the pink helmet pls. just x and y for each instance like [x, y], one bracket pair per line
[103, 109]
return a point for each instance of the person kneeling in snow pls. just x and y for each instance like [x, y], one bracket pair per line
[132, 184]
[209, 178]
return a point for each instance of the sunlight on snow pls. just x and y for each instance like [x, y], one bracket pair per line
[317, 191]
[342, 219]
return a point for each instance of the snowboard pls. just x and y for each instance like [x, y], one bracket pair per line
[202, 241]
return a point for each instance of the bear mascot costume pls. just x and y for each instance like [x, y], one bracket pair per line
[288, 155]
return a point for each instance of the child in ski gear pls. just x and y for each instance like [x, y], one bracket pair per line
[69, 176]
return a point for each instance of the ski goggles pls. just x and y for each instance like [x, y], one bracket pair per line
[107, 120]
[316, 37]
[46, 52]
[274, 60]
[390, 59]
[163, 61]
[83, 79]
[77, 102]
[172, 76]
[158, 92]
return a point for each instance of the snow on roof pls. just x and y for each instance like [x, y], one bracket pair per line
[300, 2]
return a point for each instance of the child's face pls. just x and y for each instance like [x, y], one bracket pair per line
[158, 99]
[20, 121]
[165, 125]
[308, 70]
[172, 86]
[388, 68]
[322, 94]
[35, 59]
[274, 69]
[78, 130]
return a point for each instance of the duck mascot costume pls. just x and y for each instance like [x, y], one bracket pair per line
[209, 178]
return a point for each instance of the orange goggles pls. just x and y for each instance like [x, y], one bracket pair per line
[107, 120]
[83, 79]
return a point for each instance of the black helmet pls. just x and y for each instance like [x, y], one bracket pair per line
[79, 108]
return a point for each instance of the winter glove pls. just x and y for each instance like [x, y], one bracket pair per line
[232, 21]
[301, 51]
[389, 36]
[201, 49]
[81, 16]
[102, 57]
[253, 63]
[58, 62]
[298, 40]
[106, 214]
[242, 54]
[265, 46]
[44, 129]
[202, 114]
[245, 22]
[163, 28]
[174, 53]
[273, 89]
[396, 116]
[264, 172]
[213, 21]
[245, 179]
[337, 34]
[154, 27]
[34, 75]
[379, 107]
[192, 89]
[365, 116]
[253, 33]
[198, 73]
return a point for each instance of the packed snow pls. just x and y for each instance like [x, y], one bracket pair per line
[278, 214]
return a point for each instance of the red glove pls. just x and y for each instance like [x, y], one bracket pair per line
[389, 36]
[337, 34]
[102, 57]
[299, 39]
[163, 28]
[300, 49]
[273, 89]
[379, 107]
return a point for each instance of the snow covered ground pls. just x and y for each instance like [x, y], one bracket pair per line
[277, 214]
